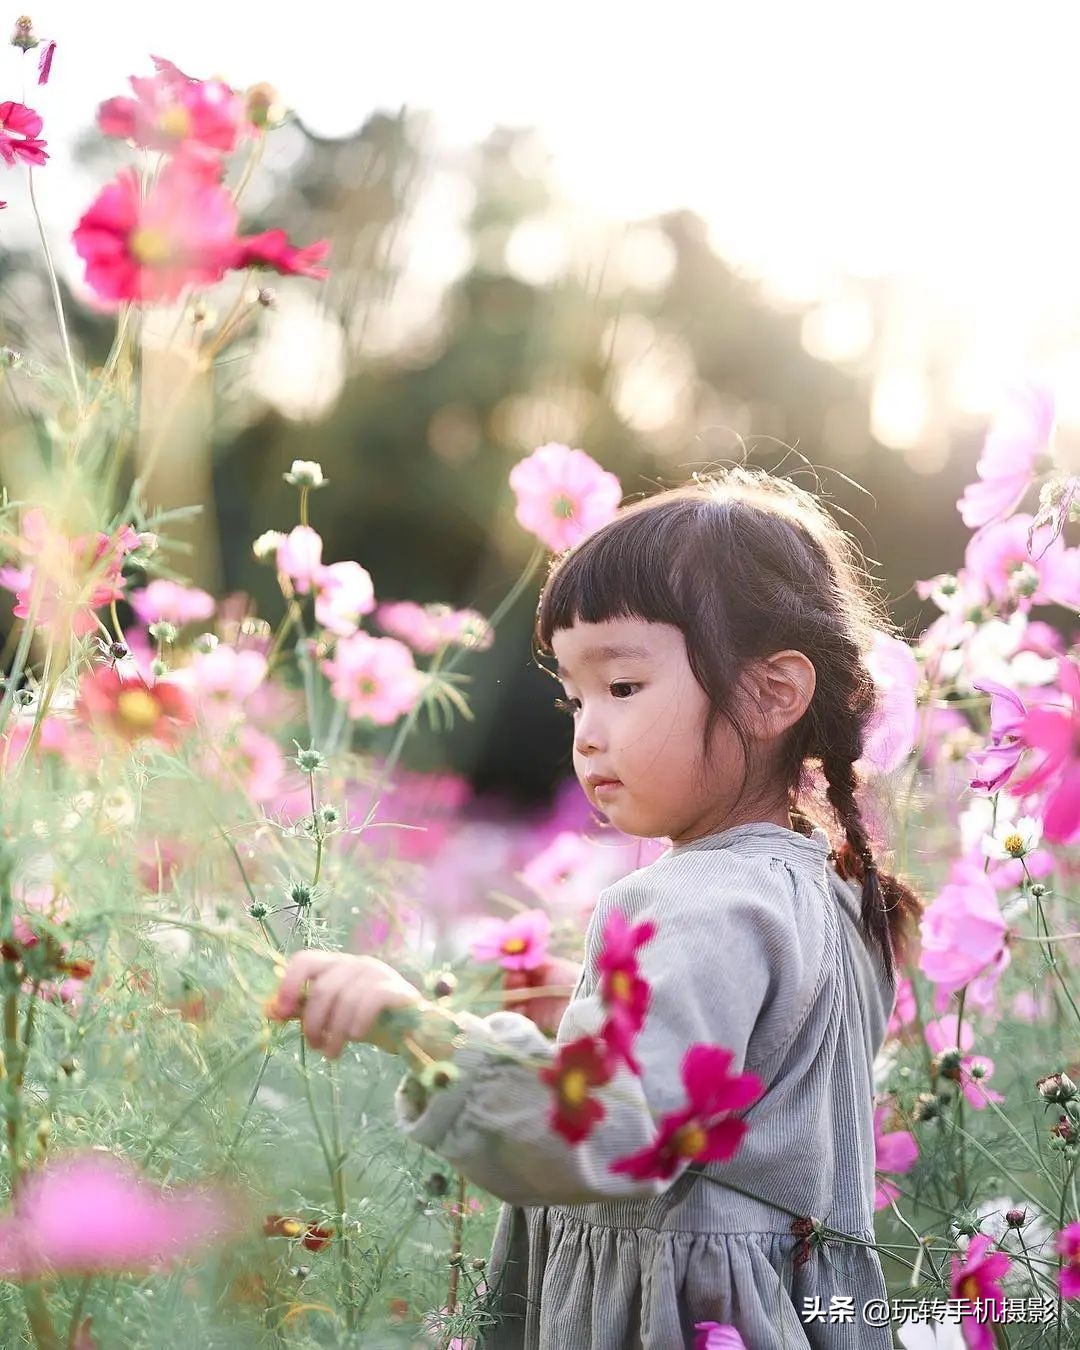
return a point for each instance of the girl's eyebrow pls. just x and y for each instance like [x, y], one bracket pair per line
[614, 651]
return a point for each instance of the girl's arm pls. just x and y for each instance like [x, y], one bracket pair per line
[714, 964]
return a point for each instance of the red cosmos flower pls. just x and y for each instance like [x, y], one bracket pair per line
[313, 1236]
[183, 234]
[624, 994]
[19, 121]
[171, 111]
[272, 249]
[579, 1065]
[132, 709]
[704, 1129]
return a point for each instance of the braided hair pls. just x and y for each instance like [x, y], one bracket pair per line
[747, 564]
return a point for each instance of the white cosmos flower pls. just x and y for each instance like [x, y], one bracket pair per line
[1013, 839]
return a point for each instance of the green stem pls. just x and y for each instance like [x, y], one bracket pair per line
[54, 285]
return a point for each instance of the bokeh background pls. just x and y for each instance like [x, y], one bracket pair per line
[821, 238]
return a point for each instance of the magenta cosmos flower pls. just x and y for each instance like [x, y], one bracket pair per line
[375, 677]
[1016, 442]
[183, 234]
[717, 1336]
[704, 1129]
[963, 931]
[563, 495]
[894, 726]
[173, 112]
[624, 994]
[578, 1066]
[518, 943]
[1068, 1246]
[93, 1213]
[894, 1151]
[976, 1278]
[168, 601]
[19, 139]
[272, 249]
[1055, 732]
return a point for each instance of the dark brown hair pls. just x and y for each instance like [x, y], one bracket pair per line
[747, 564]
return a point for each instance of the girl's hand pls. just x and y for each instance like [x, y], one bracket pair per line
[546, 1010]
[343, 999]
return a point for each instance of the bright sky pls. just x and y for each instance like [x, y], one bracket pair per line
[923, 152]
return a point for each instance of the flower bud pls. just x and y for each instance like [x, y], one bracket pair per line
[300, 894]
[437, 1183]
[258, 909]
[10, 358]
[24, 697]
[1016, 1218]
[162, 631]
[948, 1063]
[330, 815]
[267, 297]
[966, 1223]
[263, 106]
[118, 650]
[22, 36]
[445, 985]
[266, 546]
[1064, 1130]
[926, 1106]
[148, 541]
[158, 668]
[205, 643]
[1056, 1087]
[478, 1263]
[438, 1074]
[1038, 890]
[305, 473]
[311, 760]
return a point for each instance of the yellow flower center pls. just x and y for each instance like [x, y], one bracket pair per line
[175, 122]
[514, 945]
[574, 1087]
[149, 246]
[690, 1140]
[1014, 844]
[968, 1288]
[138, 709]
[291, 1228]
[620, 986]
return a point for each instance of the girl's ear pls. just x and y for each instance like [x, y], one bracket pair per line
[783, 686]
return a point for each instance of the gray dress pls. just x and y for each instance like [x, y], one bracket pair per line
[756, 949]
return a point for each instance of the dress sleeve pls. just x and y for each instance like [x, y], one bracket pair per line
[714, 965]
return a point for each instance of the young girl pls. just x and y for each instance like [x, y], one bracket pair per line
[711, 640]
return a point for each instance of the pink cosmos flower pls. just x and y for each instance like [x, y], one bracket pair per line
[19, 128]
[173, 112]
[1068, 1246]
[1018, 438]
[299, 556]
[704, 1129]
[252, 757]
[717, 1336]
[892, 731]
[994, 766]
[71, 577]
[976, 1277]
[1055, 732]
[223, 677]
[894, 1151]
[133, 709]
[963, 932]
[167, 600]
[1047, 573]
[569, 873]
[563, 495]
[92, 1212]
[375, 677]
[272, 249]
[941, 1035]
[183, 234]
[624, 994]
[344, 592]
[426, 628]
[904, 1009]
[517, 943]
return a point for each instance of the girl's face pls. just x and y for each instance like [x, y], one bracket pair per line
[639, 717]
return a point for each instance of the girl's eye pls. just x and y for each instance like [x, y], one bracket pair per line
[566, 705]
